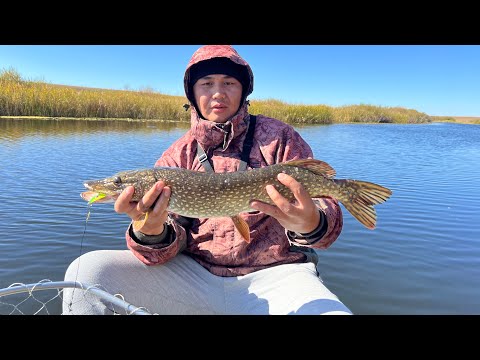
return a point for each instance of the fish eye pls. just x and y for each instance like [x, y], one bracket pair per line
[117, 181]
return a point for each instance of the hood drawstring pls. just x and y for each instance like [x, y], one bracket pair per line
[225, 128]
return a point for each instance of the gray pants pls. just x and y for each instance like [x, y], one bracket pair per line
[182, 286]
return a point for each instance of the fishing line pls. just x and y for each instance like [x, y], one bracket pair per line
[89, 207]
[97, 196]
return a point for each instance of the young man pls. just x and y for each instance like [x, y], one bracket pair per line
[179, 265]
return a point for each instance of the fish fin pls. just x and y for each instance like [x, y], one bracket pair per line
[138, 224]
[360, 202]
[242, 227]
[316, 166]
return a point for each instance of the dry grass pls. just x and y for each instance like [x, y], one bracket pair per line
[24, 98]
[467, 119]
[457, 119]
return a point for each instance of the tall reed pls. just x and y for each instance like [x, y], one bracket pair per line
[22, 97]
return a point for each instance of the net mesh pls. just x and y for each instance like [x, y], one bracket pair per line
[46, 298]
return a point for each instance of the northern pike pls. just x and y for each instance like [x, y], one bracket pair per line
[206, 195]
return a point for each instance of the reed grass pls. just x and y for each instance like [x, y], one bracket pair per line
[457, 119]
[23, 97]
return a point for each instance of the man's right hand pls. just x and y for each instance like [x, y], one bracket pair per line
[157, 216]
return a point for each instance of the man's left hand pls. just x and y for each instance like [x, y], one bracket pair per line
[300, 215]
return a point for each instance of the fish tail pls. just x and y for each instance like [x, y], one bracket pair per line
[358, 197]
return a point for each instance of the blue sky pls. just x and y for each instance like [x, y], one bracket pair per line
[435, 79]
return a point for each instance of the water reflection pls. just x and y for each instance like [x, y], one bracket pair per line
[12, 129]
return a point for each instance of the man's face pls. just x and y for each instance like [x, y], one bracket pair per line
[217, 96]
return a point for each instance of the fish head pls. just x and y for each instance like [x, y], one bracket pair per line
[108, 189]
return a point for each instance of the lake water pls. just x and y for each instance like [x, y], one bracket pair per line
[423, 257]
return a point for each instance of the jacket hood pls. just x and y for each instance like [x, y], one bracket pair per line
[209, 134]
[208, 52]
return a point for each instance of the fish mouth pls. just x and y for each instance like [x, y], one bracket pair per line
[93, 195]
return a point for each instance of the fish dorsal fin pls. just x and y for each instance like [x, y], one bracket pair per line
[242, 227]
[316, 166]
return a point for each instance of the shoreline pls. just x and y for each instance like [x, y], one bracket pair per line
[84, 119]
[471, 120]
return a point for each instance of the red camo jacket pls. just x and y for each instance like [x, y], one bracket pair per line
[214, 242]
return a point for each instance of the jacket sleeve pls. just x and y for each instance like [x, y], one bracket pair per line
[334, 224]
[294, 146]
[175, 243]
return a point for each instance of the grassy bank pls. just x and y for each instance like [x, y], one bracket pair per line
[457, 119]
[20, 97]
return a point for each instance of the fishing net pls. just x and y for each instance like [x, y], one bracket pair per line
[45, 298]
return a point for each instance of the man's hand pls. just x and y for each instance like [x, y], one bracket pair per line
[157, 216]
[300, 215]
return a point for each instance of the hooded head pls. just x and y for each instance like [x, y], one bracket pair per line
[217, 59]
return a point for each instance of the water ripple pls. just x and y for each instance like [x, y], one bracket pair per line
[423, 257]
